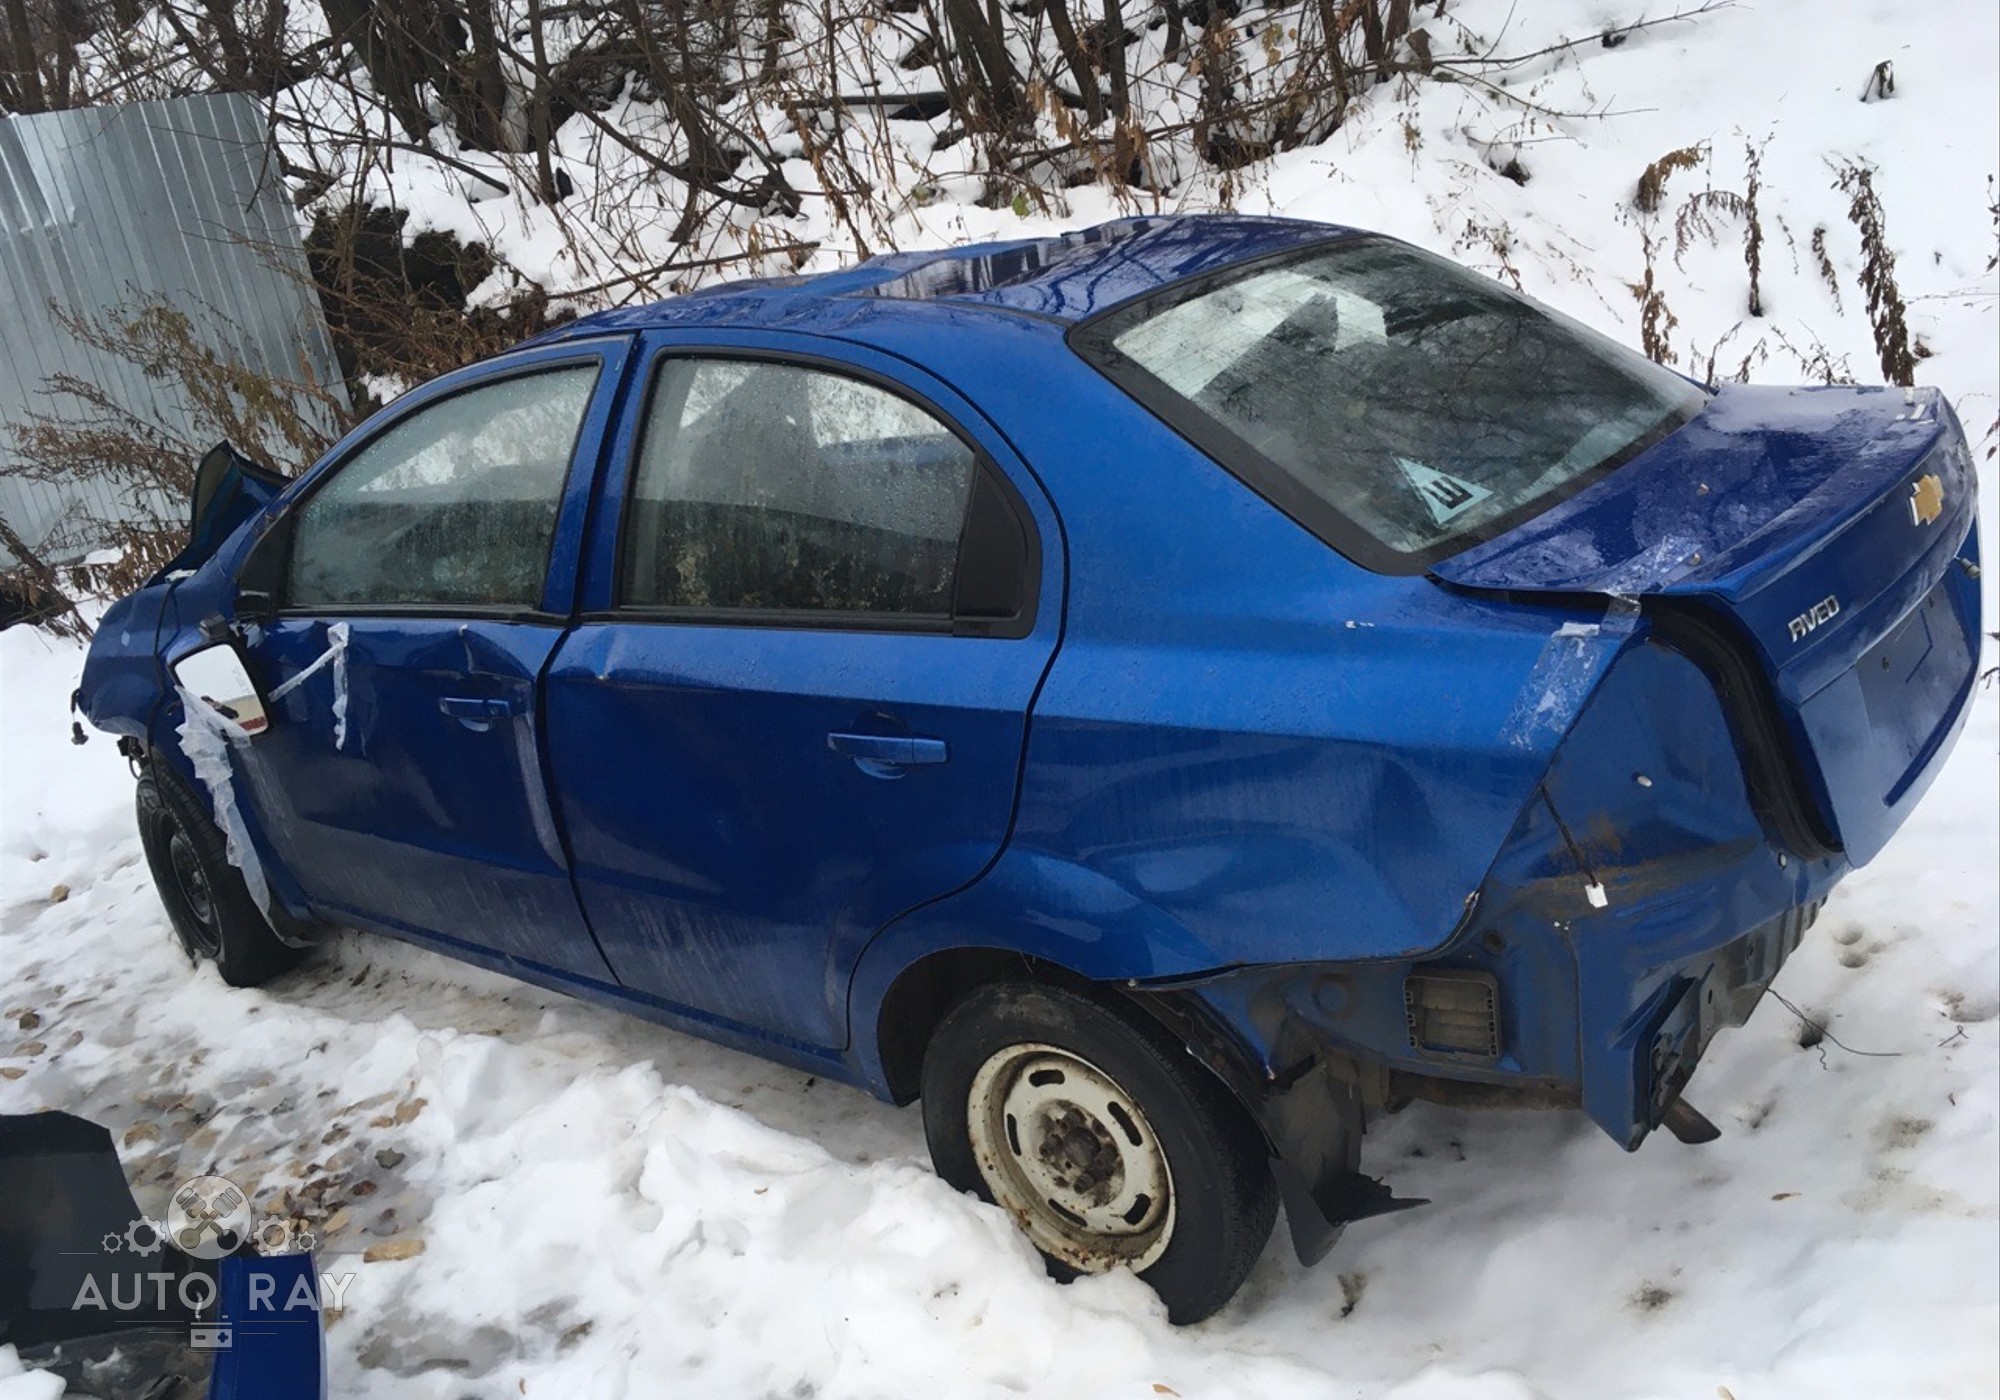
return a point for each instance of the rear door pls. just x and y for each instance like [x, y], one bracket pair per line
[822, 596]
[425, 579]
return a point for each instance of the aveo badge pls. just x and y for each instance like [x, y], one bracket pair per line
[1823, 611]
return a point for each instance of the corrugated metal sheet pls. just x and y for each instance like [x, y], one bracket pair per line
[103, 207]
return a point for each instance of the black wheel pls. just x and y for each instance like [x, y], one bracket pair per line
[1103, 1138]
[206, 899]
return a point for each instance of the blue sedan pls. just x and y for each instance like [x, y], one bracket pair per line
[1162, 695]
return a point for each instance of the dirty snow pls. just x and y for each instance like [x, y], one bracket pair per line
[565, 1202]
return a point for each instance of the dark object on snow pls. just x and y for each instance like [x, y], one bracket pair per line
[1237, 675]
[97, 1293]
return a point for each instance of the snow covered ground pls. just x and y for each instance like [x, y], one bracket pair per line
[607, 1209]
[611, 1210]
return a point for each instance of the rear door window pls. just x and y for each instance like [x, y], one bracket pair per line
[771, 488]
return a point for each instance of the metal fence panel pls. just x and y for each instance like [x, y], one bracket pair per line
[103, 207]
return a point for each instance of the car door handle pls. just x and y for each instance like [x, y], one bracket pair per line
[886, 755]
[475, 713]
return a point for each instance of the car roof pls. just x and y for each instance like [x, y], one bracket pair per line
[1064, 278]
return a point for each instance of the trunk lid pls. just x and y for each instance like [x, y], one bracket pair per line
[1815, 536]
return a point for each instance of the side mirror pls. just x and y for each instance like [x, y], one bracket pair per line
[215, 676]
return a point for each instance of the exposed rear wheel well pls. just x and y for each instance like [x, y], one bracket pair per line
[927, 988]
[921, 994]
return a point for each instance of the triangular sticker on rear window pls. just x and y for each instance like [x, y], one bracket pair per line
[1447, 496]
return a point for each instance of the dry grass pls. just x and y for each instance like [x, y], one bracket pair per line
[1653, 179]
[92, 435]
[1888, 315]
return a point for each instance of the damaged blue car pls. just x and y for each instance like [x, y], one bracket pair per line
[1162, 695]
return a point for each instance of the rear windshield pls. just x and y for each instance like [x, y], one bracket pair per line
[1395, 404]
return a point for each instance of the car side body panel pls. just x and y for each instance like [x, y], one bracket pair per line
[124, 678]
[491, 813]
[404, 786]
[126, 689]
[1638, 906]
[1244, 735]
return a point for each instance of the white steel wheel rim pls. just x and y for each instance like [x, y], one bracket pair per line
[1071, 1156]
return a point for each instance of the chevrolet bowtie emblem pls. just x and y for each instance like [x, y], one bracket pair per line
[1926, 499]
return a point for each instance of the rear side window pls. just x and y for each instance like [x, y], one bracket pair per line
[766, 487]
[1394, 403]
[456, 504]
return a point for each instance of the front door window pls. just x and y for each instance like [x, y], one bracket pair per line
[455, 504]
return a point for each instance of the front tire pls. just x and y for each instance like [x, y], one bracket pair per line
[1103, 1138]
[205, 896]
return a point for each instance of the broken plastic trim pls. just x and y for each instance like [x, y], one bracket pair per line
[1310, 1116]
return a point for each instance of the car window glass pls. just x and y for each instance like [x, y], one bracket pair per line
[776, 487]
[1419, 401]
[454, 504]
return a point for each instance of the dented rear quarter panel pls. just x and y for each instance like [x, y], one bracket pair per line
[1248, 749]
[1790, 513]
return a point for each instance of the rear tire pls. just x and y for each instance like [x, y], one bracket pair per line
[205, 896]
[1103, 1138]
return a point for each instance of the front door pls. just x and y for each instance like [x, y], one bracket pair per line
[798, 706]
[428, 580]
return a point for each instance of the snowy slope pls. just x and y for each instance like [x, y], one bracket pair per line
[1423, 159]
[609, 1209]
